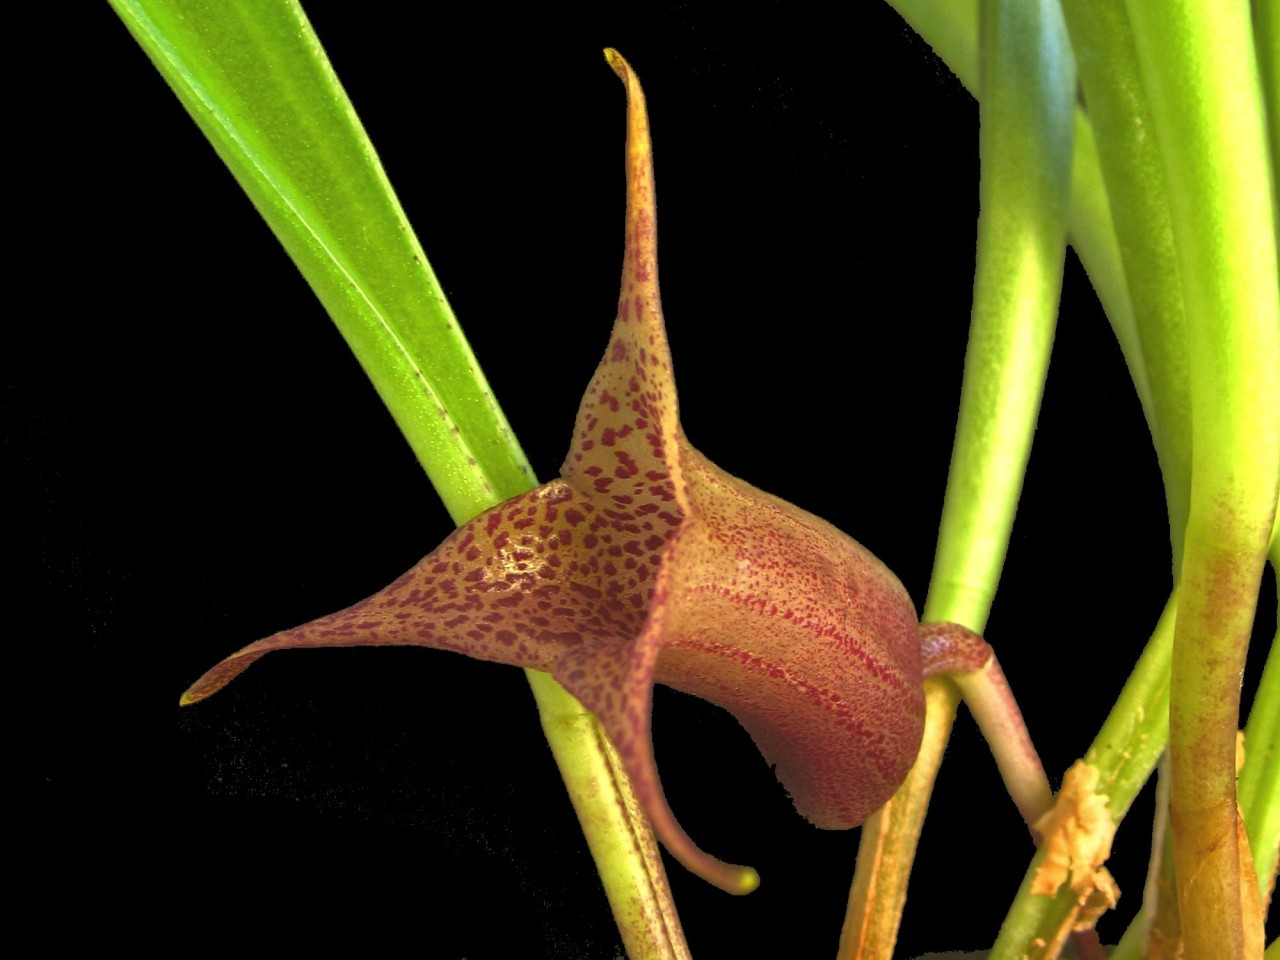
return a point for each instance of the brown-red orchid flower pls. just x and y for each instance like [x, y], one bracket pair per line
[645, 563]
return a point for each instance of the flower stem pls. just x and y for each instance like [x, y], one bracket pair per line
[622, 845]
[987, 695]
[1027, 124]
[1124, 753]
[888, 842]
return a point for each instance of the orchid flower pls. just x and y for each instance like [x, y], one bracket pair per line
[644, 562]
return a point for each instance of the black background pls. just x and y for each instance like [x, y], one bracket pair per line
[200, 462]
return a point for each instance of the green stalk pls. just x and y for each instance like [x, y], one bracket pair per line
[254, 77]
[951, 29]
[1120, 113]
[1134, 179]
[1259, 782]
[1258, 788]
[1092, 232]
[622, 843]
[987, 694]
[1028, 83]
[1260, 776]
[1027, 123]
[1198, 65]
[888, 841]
[1126, 750]
[1093, 237]
[1266, 28]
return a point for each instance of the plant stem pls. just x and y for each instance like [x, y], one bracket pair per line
[1124, 753]
[1200, 69]
[987, 695]
[1259, 782]
[951, 29]
[968, 660]
[1027, 124]
[887, 845]
[1266, 28]
[626, 857]
[1093, 237]
[1158, 916]
[257, 82]
[1131, 166]
[1028, 84]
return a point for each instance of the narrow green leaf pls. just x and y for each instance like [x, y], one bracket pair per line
[1259, 783]
[952, 30]
[1199, 67]
[1260, 776]
[1266, 29]
[1092, 231]
[1027, 117]
[1130, 158]
[1028, 83]
[255, 79]
[1093, 237]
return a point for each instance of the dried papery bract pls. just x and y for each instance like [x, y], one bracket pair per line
[644, 562]
[1077, 834]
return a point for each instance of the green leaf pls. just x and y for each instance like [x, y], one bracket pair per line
[1259, 784]
[952, 30]
[1200, 70]
[1027, 125]
[1120, 113]
[255, 79]
[1028, 85]
[1266, 40]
